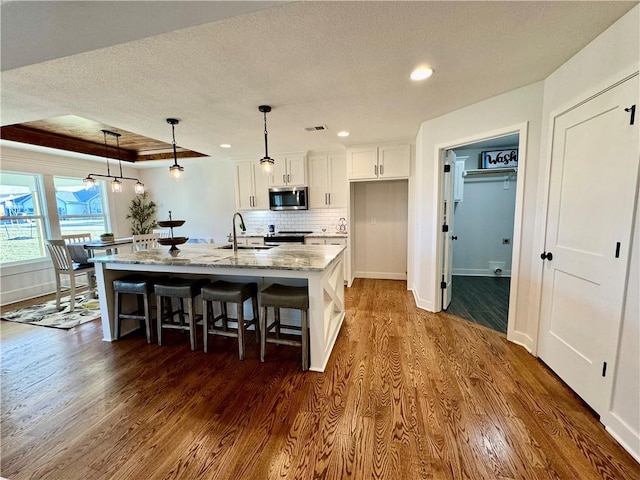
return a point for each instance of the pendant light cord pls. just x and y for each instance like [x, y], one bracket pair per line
[266, 149]
[118, 150]
[106, 152]
[175, 154]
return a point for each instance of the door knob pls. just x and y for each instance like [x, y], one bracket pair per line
[546, 256]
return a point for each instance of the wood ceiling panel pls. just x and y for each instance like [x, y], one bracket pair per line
[81, 135]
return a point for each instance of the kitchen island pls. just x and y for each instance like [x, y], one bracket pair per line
[317, 267]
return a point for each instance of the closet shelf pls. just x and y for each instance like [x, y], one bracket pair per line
[489, 171]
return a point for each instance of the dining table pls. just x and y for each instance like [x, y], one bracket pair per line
[111, 247]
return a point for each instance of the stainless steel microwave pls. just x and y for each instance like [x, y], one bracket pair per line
[289, 198]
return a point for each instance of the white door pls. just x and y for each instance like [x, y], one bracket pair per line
[447, 222]
[592, 187]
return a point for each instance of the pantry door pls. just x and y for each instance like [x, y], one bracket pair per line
[594, 171]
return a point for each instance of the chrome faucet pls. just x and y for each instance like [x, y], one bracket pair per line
[242, 227]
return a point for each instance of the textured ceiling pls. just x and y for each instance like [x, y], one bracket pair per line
[342, 64]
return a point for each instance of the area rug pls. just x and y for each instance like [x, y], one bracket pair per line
[46, 314]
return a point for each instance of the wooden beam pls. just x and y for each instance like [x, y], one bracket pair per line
[22, 134]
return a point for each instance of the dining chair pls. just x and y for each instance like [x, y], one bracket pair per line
[63, 265]
[146, 241]
[76, 238]
[162, 232]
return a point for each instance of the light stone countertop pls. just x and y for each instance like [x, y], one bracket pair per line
[283, 257]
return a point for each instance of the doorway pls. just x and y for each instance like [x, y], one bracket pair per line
[482, 234]
[480, 253]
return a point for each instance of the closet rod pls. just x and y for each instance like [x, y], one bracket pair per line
[488, 171]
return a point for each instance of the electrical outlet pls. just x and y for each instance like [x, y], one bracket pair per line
[506, 241]
[373, 220]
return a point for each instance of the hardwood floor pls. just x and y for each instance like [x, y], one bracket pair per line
[406, 395]
[481, 300]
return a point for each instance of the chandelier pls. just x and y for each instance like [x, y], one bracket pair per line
[116, 180]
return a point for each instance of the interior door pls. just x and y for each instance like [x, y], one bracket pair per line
[447, 227]
[594, 166]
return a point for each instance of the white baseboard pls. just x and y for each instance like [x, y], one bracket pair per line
[26, 293]
[521, 339]
[623, 434]
[421, 303]
[381, 275]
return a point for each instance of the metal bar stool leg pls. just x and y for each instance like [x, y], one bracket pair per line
[116, 314]
[205, 324]
[241, 330]
[256, 319]
[192, 323]
[159, 306]
[263, 332]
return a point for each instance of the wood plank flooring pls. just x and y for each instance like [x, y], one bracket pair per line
[481, 300]
[406, 395]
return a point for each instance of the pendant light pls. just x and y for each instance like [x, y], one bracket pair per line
[176, 171]
[116, 182]
[266, 163]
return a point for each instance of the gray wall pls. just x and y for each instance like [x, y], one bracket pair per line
[482, 219]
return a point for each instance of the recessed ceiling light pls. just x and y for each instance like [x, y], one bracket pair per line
[225, 145]
[343, 134]
[421, 73]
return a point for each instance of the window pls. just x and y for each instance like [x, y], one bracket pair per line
[80, 210]
[22, 225]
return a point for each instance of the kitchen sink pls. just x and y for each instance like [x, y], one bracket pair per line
[247, 247]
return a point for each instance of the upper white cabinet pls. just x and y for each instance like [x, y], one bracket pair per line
[328, 184]
[252, 191]
[379, 162]
[289, 170]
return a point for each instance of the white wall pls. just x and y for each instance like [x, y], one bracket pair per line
[380, 229]
[504, 111]
[607, 59]
[205, 198]
[32, 279]
[483, 219]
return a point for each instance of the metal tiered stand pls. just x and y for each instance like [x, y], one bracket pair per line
[173, 241]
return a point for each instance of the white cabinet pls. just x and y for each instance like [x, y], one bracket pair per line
[332, 241]
[325, 241]
[251, 186]
[379, 162]
[327, 181]
[289, 170]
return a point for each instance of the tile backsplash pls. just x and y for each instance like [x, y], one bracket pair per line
[310, 220]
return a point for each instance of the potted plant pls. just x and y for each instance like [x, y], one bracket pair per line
[142, 212]
[107, 237]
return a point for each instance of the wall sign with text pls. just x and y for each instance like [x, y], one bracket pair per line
[500, 158]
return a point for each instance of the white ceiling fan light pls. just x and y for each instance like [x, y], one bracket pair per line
[421, 73]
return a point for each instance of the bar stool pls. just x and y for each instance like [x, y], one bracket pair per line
[179, 289]
[228, 292]
[284, 296]
[140, 286]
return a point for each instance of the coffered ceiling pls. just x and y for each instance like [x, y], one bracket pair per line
[342, 64]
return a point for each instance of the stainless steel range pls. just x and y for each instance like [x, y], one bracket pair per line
[286, 236]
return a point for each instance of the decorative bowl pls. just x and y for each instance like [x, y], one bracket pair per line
[171, 224]
[107, 238]
[172, 240]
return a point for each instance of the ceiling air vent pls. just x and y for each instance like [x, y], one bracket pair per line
[316, 128]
